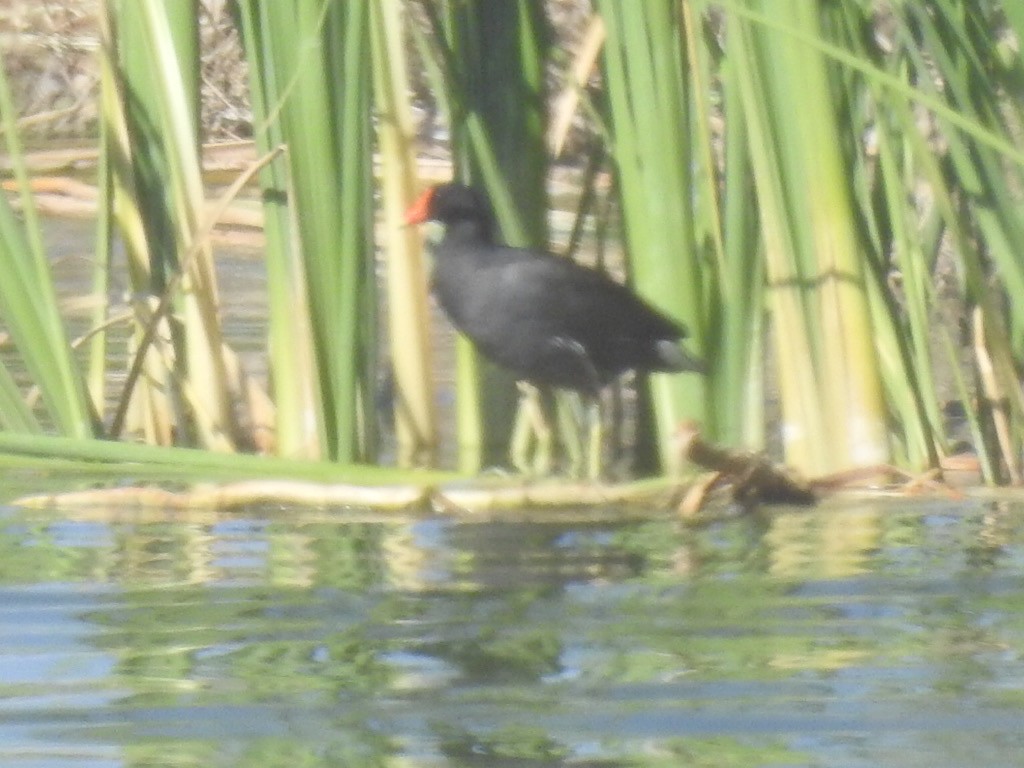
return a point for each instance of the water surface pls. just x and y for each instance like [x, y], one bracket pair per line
[862, 634]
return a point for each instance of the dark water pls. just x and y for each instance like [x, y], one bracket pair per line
[865, 634]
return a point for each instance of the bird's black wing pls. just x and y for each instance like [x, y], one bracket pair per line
[575, 301]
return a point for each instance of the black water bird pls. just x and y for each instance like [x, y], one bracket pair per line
[546, 318]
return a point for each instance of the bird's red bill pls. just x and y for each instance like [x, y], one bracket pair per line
[419, 211]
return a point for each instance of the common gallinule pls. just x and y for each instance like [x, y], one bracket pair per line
[546, 318]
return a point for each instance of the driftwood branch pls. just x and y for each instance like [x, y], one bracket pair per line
[754, 479]
[480, 498]
[750, 478]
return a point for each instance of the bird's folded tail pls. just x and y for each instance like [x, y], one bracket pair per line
[675, 358]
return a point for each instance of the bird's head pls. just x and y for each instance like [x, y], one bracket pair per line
[452, 204]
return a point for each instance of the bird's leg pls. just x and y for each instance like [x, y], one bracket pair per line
[522, 434]
[531, 424]
[543, 452]
[595, 438]
[567, 410]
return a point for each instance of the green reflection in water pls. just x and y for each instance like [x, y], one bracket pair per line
[845, 635]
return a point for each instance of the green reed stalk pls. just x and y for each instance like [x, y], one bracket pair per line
[646, 71]
[172, 35]
[150, 413]
[832, 406]
[893, 238]
[28, 305]
[94, 458]
[299, 421]
[97, 344]
[968, 168]
[987, 191]
[315, 83]
[154, 118]
[726, 218]
[408, 310]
